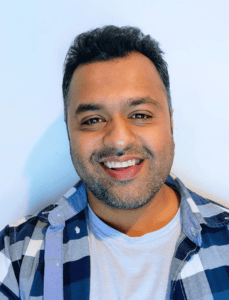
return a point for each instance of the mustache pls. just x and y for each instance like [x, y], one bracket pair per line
[117, 152]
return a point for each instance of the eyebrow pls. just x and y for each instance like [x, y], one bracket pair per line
[129, 103]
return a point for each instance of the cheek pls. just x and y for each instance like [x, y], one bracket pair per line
[157, 139]
[76, 145]
[84, 145]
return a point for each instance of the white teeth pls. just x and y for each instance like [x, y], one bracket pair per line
[124, 164]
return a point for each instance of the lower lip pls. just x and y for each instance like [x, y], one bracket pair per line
[124, 173]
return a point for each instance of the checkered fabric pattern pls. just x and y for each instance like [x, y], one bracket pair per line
[47, 255]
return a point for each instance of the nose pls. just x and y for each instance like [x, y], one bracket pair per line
[119, 133]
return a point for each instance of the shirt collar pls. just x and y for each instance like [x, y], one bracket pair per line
[195, 210]
[72, 203]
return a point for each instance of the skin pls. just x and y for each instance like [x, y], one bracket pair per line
[145, 203]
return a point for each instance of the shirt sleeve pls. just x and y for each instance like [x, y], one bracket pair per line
[9, 266]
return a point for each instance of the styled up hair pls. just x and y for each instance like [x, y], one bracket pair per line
[109, 42]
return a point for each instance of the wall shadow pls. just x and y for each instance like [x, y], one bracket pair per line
[49, 169]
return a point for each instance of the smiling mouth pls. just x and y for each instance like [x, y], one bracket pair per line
[125, 173]
[120, 169]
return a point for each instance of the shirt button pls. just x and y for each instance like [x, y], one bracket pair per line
[58, 264]
[58, 215]
[77, 229]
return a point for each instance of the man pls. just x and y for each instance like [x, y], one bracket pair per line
[127, 229]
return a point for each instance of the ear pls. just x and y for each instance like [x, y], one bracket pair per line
[171, 120]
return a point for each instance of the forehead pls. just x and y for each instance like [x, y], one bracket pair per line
[132, 76]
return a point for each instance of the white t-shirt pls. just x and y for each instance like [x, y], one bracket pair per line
[132, 268]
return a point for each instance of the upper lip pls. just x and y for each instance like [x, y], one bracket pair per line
[126, 158]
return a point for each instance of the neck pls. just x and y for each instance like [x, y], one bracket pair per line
[152, 216]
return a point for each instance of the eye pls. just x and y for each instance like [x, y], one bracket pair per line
[92, 121]
[141, 116]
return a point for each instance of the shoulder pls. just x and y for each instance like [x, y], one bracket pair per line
[20, 237]
[197, 209]
[21, 243]
[29, 231]
[206, 205]
[199, 201]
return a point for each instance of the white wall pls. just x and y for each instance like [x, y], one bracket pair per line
[36, 167]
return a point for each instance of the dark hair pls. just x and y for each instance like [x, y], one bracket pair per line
[111, 42]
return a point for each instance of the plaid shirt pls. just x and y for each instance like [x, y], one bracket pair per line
[47, 255]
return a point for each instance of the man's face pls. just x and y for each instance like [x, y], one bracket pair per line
[144, 128]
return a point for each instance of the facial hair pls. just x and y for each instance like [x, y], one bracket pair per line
[124, 194]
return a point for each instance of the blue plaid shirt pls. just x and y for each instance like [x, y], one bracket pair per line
[47, 255]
